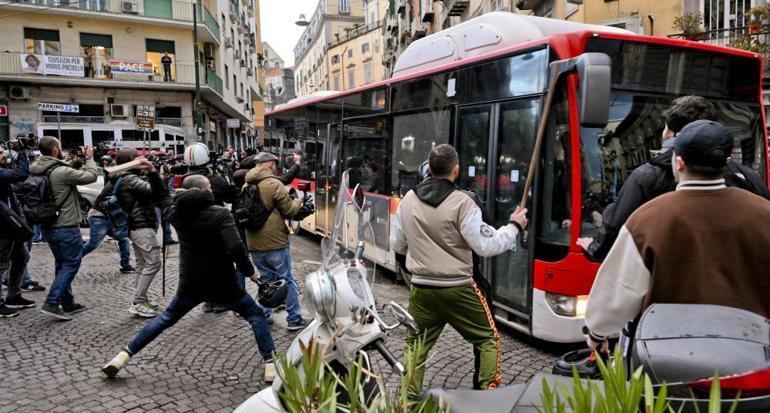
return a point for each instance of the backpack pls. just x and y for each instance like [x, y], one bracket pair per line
[115, 214]
[249, 211]
[37, 201]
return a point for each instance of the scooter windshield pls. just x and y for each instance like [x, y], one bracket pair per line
[351, 224]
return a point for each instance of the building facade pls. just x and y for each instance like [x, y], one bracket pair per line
[279, 80]
[105, 58]
[332, 18]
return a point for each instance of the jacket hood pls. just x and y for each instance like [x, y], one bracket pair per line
[663, 159]
[434, 191]
[193, 200]
[260, 172]
[43, 163]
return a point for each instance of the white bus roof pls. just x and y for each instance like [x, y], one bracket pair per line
[300, 99]
[483, 34]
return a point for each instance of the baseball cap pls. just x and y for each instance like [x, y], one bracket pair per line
[265, 157]
[705, 144]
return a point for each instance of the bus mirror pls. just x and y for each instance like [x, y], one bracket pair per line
[595, 73]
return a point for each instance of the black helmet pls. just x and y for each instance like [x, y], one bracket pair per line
[272, 294]
[582, 360]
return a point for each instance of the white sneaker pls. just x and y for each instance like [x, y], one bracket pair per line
[142, 310]
[112, 368]
[269, 372]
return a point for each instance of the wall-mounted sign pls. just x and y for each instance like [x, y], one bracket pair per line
[58, 107]
[145, 117]
[123, 66]
[42, 64]
[233, 123]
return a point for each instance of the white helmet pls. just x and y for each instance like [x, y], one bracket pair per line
[196, 154]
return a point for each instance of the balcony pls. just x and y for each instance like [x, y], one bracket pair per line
[177, 13]
[214, 81]
[753, 39]
[352, 34]
[456, 7]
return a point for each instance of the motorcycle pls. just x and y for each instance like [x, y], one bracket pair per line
[346, 321]
[682, 345]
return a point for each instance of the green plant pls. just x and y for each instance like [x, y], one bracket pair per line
[759, 13]
[313, 386]
[749, 43]
[617, 394]
[689, 23]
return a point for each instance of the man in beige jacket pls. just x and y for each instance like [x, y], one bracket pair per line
[269, 246]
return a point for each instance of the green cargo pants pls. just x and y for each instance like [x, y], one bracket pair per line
[465, 309]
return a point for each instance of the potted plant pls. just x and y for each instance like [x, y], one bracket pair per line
[758, 14]
[689, 25]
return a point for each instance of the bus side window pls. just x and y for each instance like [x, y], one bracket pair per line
[414, 136]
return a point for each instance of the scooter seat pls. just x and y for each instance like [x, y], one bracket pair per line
[479, 401]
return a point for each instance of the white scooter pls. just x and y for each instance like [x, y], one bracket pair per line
[347, 323]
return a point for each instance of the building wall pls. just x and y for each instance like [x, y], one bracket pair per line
[342, 64]
[633, 13]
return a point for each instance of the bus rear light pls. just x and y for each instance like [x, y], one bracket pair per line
[567, 305]
[752, 384]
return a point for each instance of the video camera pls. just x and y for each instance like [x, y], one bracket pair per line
[23, 143]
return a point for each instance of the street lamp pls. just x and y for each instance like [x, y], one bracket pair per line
[302, 21]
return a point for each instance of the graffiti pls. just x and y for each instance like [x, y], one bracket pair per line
[22, 126]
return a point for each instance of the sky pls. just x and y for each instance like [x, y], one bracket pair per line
[278, 28]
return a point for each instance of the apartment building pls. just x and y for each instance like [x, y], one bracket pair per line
[355, 56]
[106, 57]
[330, 18]
[279, 80]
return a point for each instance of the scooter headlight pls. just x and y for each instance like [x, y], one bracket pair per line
[320, 296]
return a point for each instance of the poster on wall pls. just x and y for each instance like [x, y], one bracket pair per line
[137, 68]
[52, 65]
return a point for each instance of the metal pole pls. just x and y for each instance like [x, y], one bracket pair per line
[197, 104]
[58, 123]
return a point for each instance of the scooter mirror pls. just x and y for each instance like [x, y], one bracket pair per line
[358, 197]
[403, 317]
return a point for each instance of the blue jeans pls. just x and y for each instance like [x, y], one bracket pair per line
[274, 265]
[100, 227]
[67, 247]
[167, 235]
[38, 235]
[246, 307]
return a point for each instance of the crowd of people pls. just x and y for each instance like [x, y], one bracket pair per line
[142, 198]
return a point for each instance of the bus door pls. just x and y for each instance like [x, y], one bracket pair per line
[327, 177]
[494, 142]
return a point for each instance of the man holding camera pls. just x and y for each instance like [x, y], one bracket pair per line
[13, 253]
[63, 236]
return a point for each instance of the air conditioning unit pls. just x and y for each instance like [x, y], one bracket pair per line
[208, 50]
[250, 71]
[130, 7]
[237, 55]
[243, 63]
[228, 42]
[19, 93]
[239, 99]
[119, 111]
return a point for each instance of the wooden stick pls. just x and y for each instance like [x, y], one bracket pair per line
[540, 133]
[112, 170]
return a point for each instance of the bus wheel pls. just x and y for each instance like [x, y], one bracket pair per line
[403, 276]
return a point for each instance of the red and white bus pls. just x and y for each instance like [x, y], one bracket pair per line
[481, 86]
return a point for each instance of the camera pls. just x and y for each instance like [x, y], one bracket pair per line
[22, 143]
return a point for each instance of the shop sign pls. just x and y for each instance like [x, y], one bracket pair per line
[58, 107]
[233, 123]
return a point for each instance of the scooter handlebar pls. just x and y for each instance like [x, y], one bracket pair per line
[380, 346]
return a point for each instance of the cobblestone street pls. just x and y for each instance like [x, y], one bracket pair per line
[206, 363]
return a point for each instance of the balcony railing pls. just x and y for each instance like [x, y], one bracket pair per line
[352, 34]
[211, 22]
[754, 39]
[182, 74]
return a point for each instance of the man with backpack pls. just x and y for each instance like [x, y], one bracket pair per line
[268, 241]
[137, 200]
[62, 230]
[13, 252]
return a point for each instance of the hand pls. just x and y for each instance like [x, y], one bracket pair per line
[584, 242]
[88, 151]
[146, 165]
[519, 216]
[254, 278]
[297, 158]
[566, 224]
[604, 346]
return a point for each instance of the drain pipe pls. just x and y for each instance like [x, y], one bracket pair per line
[651, 18]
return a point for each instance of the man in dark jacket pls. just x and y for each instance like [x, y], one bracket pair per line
[209, 244]
[137, 200]
[13, 253]
[656, 177]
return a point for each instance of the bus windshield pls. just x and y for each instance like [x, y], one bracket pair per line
[633, 134]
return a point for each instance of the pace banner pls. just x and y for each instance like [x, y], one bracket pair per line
[52, 65]
[137, 68]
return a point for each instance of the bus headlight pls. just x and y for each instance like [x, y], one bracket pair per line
[567, 305]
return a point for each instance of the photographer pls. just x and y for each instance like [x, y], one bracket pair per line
[13, 252]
